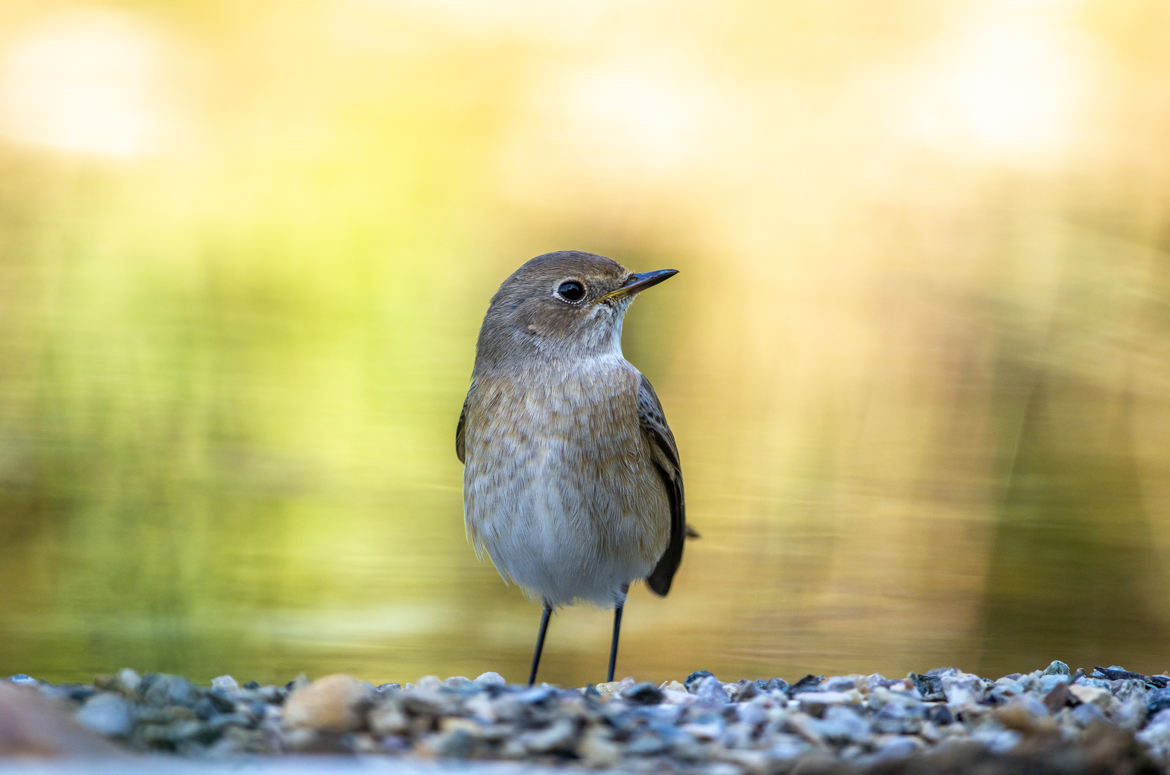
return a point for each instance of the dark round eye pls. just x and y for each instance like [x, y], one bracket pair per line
[571, 290]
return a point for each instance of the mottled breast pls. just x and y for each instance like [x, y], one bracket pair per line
[560, 486]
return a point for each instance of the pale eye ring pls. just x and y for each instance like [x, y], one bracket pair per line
[571, 291]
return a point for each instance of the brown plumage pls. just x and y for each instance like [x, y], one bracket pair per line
[572, 482]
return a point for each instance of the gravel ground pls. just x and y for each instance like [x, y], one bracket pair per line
[1105, 720]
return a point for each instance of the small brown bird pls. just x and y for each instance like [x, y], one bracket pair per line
[572, 483]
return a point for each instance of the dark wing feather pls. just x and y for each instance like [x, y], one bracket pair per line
[665, 455]
[459, 427]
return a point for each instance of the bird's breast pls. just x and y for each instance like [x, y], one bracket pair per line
[560, 486]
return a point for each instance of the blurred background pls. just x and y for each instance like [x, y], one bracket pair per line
[917, 357]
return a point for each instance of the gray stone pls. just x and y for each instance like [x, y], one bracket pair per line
[561, 735]
[962, 689]
[490, 679]
[843, 723]
[1056, 667]
[1050, 681]
[898, 718]
[711, 691]
[458, 683]
[842, 683]
[109, 714]
[1086, 714]
[644, 693]
[816, 703]
[166, 689]
[694, 679]
[898, 747]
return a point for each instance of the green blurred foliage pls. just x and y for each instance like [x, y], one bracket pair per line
[917, 358]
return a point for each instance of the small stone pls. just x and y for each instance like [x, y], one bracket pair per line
[429, 682]
[1130, 713]
[1056, 667]
[459, 683]
[1117, 673]
[710, 690]
[389, 719]
[647, 745]
[644, 693]
[425, 702]
[709, 728]
[109, 714]
[843, 724]
[1057, 698]
[898, 747]
[1156, 733]
[538, 695]
[774, 685]
[225, 683]
[598, 750]
[612, 687]
[785, 747]
[166, 689]
[127, 680]
[999, 741]
[929, 686]
[810, 683]
[752, 714]
[940, 715]
[842, 683]
[744, 690]
[672, 686]
[490, 679]
[805, 726]
[815, 703]
[307, 740]
[557, 736]
[1158, 700]
[1092, 695]
[694, 679]
[22, 679]
[1087, 714]
[456, 740]
[1026, 714]
[896, 718]
[962, 689]
[336, 703]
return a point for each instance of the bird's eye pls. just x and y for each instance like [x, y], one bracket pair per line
[571, 290]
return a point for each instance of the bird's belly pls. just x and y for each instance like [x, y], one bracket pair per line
[569, 511]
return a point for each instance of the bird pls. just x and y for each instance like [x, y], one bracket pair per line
[572, 483]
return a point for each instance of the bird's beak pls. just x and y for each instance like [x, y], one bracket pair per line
[639, 282]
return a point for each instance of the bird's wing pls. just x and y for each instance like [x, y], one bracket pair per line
[665, 456]
[462, 420]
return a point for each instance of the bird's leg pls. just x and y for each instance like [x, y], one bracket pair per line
[540, 643]
[617, 628]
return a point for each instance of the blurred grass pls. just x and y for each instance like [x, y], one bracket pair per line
[917, 358]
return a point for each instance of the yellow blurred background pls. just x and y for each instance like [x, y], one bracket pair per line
[917, 357]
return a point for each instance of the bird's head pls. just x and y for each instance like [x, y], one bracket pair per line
[562, 304]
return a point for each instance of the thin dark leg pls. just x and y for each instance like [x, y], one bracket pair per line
[617, 630]
[539, 643]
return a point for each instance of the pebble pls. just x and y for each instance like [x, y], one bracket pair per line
[107, 714]
[335, 703]
[946, 719]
